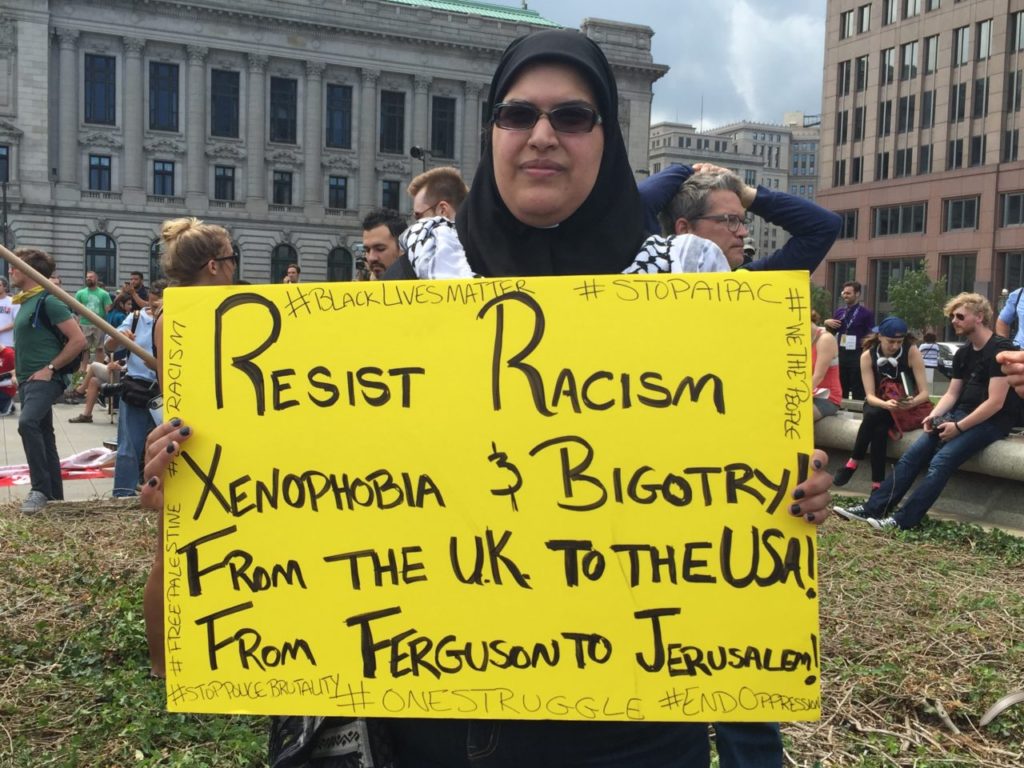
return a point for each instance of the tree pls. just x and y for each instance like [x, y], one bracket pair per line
[821, 301]
[918, 300]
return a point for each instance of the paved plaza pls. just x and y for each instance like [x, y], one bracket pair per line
[71, 439]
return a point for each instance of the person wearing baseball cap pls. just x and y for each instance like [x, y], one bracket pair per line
[890, 358]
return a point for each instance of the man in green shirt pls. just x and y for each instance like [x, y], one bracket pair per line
[40, 357]
[98, 300]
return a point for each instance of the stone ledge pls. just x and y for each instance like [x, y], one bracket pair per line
[985, 490]
[1003, 459]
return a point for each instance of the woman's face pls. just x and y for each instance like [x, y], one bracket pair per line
[224, 265]
[890, 345]
[543, 175]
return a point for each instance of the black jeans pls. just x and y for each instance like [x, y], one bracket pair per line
[35, 425]
[548, 744]
[874, 433]
[849, 374]
[748, 745]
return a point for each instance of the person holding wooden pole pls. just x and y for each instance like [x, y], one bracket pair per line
[40, 328]
[42, 357]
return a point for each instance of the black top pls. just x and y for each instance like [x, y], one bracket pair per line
[884, 368]
[976, 367]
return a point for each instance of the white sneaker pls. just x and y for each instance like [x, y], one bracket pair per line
[884, 524]
[35, 501]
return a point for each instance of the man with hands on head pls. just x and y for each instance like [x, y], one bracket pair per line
[714, 203]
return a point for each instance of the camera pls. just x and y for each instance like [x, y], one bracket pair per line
[937, 421]
[111, 389]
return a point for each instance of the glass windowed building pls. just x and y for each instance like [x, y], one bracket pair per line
[938, 176]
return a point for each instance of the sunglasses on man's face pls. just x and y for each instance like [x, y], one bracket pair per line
[567, 118]
[957, 316]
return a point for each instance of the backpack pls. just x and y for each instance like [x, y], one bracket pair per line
[41, 318]
[1015, 325]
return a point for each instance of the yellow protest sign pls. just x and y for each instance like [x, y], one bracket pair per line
[530, 498]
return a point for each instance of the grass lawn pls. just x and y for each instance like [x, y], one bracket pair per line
[921, 633]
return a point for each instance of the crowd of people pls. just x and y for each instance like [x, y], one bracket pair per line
[554, 194]
[61, 354]
[978, 408]
[892, 375]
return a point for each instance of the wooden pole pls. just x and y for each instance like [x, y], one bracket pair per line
[76, 305]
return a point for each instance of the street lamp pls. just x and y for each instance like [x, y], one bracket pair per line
[421, 153]
[3, 211]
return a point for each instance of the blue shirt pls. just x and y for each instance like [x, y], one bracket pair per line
[1015, 308]
[144, 338]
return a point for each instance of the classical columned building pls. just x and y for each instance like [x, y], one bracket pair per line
[283, 122]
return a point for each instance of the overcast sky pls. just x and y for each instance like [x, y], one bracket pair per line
[748, 59]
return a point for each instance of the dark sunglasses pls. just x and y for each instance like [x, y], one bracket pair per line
[417, 215]
[522, 116]
[957, 316]
[233, 257]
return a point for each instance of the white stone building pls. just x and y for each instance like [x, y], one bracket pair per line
[283, 120]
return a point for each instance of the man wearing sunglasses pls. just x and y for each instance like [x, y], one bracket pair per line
[437, 192]
[715, 204]
[977, 409]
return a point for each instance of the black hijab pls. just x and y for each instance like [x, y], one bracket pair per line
[604, 234]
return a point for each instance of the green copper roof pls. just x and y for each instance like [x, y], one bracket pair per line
[502, 12]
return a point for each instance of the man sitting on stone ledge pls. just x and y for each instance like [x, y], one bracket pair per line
[976, 410]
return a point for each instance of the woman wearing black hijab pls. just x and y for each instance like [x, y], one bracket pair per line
[554, 193]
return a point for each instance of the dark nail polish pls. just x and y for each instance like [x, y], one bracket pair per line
[152, 482]
[818, 464]
[798, 493]
[175, 422]
[185, 431]
[810, 518]
[795, 509]
[170, 447]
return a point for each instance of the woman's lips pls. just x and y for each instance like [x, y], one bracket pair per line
[541, 168]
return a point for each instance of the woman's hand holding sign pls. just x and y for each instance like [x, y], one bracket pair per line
[811, 498]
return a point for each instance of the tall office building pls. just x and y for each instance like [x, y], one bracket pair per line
[283, 121]
[920, 140]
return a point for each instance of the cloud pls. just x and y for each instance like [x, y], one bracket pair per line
[775, 64]
[738, 59]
